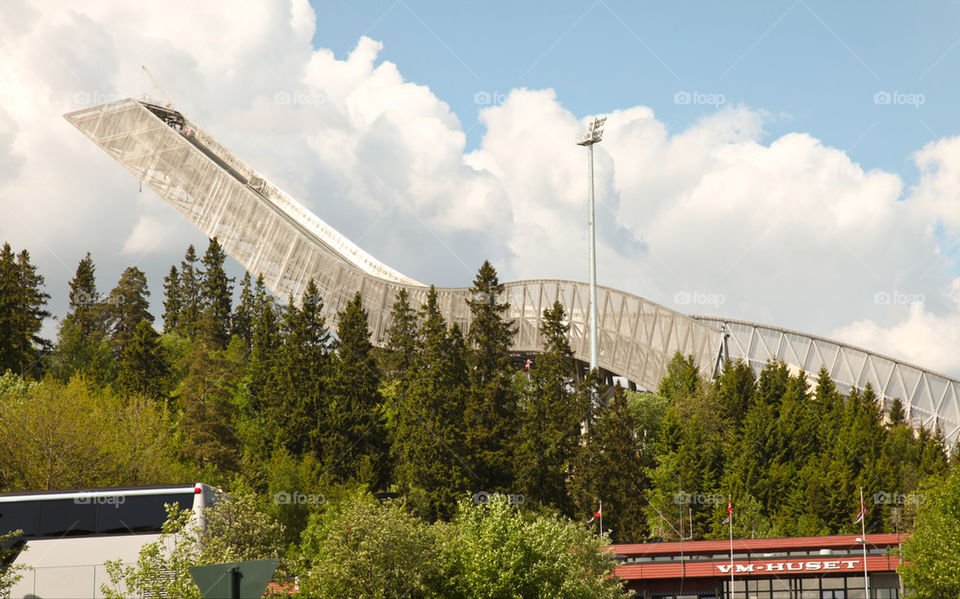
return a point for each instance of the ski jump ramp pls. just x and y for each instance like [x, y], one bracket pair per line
[270, 233]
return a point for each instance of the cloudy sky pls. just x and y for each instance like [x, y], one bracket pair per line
[795, 163]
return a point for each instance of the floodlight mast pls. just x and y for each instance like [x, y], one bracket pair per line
[594, 135]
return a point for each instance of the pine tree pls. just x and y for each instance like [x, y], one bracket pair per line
[490, 415]
[241, 323]
[550, 416]
[172, 303]
[22, 312]
[127, 306]
[143, 365]
[191, 304]
[216, 290]
[354, 446]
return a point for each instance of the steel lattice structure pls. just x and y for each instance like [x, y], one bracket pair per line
[930, 399]
[270, 233]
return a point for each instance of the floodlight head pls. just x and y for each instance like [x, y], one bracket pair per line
[594, 132]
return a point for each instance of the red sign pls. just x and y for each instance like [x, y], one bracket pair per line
[790, 566]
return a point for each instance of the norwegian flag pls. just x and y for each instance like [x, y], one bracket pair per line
[596, 515]
[526, 366]
[729, 512]
[862, 513]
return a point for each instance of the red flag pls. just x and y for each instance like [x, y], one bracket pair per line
[527, 365]
[729, 512]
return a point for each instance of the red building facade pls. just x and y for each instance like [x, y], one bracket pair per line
[793, 568]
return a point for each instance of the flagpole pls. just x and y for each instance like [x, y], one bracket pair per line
[730, 517]
[863, 537]
[601, 517]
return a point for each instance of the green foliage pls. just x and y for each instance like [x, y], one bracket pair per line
[143, 368]
[172, 303]
[360, 548]
[300, 371]
[286, 475]
[550, 415]
[10, 574]
[354, 440]
[241, 323]
[932, 553]
[208, 418]
[22, 312]
[610, 470]
[55, 436]
[216, 299]
[264, 396]
[498, 551]
[430, 448]
[126, 307]
[364, 549]
[792, 461]
[402, 337]
[682, 379]
[188, 295]
[490, 413]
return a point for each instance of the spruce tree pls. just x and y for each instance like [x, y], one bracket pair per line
[143, 365]
[736, 386]
[22, 312]
[490, 415]
[402, 336]
[172, 303]
[429, 446]
[191, 304]
[301, 371]
[355, 444]
[608, 470]
[550, 415]
[84, 300]
[208, 420]
[241, 323]
[127, 306]
[80, 346]
[264, 350]
[896, 415]
[216, 290]
[682, 379]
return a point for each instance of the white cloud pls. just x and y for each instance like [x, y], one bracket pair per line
[923, 338]
[787, 231]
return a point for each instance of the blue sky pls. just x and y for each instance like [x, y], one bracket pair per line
[813, 66]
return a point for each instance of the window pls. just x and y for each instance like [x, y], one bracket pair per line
[19, 516]
[66, 517]
[138, 513]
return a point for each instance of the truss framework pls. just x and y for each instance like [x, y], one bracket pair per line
[270, 233]
[930, 399]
